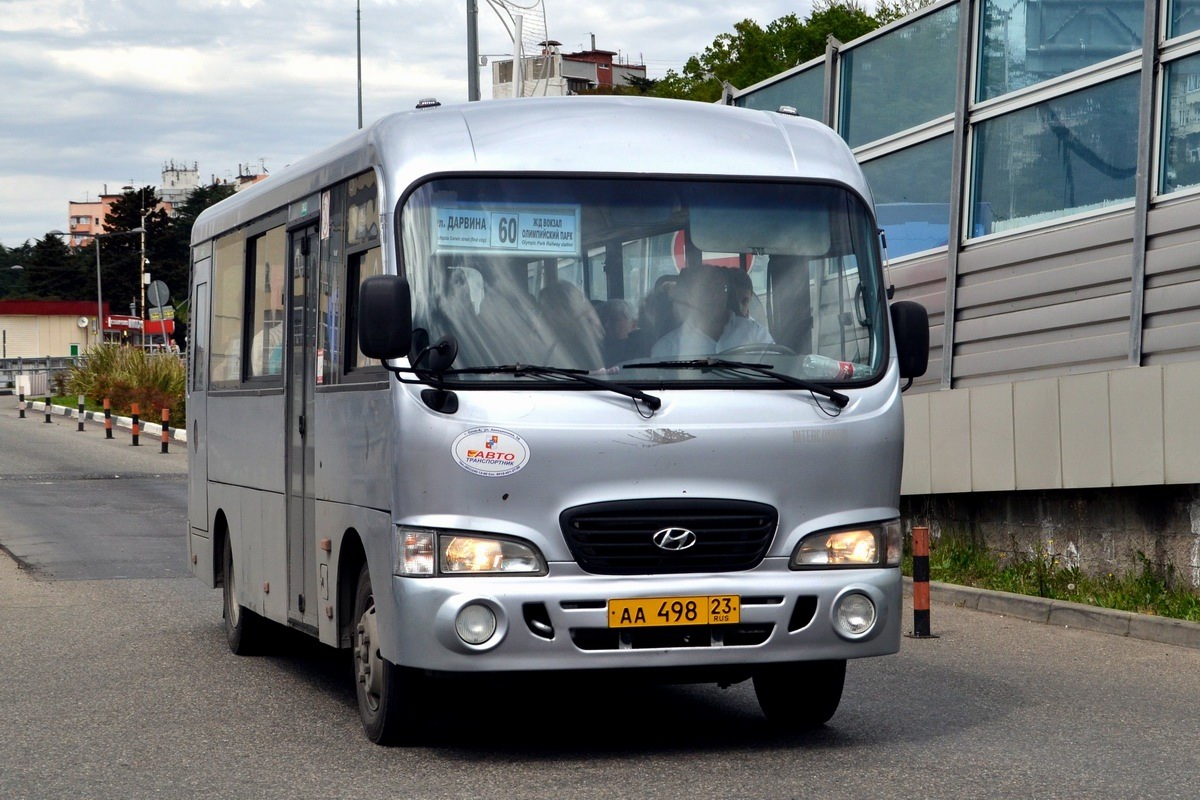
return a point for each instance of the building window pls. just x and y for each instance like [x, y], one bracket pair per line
[1181, 128]
[1068, 155]
[879, 77]
[914, 214]
[804, 91]
[1026, 42]
[1185, 17]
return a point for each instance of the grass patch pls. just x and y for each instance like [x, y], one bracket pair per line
[127, 375]
[1145, 590]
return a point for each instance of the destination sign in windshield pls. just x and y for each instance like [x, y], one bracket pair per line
[536, 230]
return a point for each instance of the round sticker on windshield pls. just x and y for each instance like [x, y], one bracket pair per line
[490, 452]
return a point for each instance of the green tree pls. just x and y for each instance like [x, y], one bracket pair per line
[753, 53]
[52, 271]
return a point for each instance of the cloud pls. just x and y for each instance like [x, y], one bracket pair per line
[103, 93]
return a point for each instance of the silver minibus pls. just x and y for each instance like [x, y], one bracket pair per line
[582, 385]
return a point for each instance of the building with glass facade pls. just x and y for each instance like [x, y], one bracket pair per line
[1036, 170]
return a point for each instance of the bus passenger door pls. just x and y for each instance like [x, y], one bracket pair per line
[299, 379]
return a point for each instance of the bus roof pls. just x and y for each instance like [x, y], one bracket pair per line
[601, 134]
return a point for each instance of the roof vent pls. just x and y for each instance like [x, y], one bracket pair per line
[789, 110]
[428, 102]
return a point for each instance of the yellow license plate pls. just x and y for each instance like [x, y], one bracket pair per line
[646, 612]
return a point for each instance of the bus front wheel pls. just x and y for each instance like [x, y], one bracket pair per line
[800, 694]
[391, 701]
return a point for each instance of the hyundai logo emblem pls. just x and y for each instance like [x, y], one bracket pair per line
[674, 539]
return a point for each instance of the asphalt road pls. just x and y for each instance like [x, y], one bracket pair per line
[124, 688]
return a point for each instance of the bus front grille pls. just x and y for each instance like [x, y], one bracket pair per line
[619, 538]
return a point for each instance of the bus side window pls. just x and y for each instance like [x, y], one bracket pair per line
[361, 266]
[228, 287]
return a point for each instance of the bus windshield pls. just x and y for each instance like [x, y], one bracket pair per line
[647, 280]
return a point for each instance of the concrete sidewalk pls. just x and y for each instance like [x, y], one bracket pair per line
[1064, 614]
[145, 428]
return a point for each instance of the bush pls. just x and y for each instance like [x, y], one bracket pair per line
[128, 375]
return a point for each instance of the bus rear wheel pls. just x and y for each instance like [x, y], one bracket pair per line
[801, 694]
[393, 702]
[244, 630]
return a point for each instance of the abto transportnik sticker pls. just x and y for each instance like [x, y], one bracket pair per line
[490, 452]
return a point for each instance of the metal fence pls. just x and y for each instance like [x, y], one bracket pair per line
[33, 376]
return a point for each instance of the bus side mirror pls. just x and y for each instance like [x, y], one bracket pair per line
[384, 317]
[910, 321]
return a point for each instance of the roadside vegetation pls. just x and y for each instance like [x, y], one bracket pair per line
[127, 375]
[1145, 590]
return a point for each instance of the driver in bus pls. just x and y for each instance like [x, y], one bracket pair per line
[709, 326]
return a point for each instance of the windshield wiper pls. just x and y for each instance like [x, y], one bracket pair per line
[580, 375]
[840, 400]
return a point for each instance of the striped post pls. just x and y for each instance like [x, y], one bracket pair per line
[107, 419]
[21, 404]
[166, 421]
[920, 569]
[47, 408]
[80, 412]
[136, 425]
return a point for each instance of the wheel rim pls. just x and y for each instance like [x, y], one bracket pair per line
[368, 663]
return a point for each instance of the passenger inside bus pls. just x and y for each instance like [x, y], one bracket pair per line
[741, 291]
[620, 321]
[701, 297]
[574, 326]
[656, 317]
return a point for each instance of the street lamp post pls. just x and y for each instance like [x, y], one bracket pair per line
[96, 237]
[142, 262]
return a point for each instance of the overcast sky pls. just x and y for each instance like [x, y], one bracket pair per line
[98, 94]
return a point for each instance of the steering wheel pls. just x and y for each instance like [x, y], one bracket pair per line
[756, 348]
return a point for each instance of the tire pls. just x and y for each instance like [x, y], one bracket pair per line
[800, 695]
[393, 702]
[245, 631]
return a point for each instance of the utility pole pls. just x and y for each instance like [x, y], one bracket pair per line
[472, 50]
[358, 33]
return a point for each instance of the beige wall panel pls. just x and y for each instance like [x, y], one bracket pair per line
[992, 446]
[1173, 295]
[1037, 434]
[1184, 337]
[1038, 287]
[1173, 220]
[1181, 422]
[915, 476]
[950, 441]
[1047, 245]
[1046, 322]
[1086, 442]
[1113, 346]
[20, 336]
[1136, 414]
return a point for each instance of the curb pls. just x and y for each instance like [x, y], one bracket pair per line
[145, 428]
[1065, 614]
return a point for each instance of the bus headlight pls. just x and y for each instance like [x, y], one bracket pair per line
[421, 551]
[871, 545]
[854, 614]
[475, 623]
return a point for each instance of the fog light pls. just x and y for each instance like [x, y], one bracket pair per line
[855, 614]
[475, 623]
